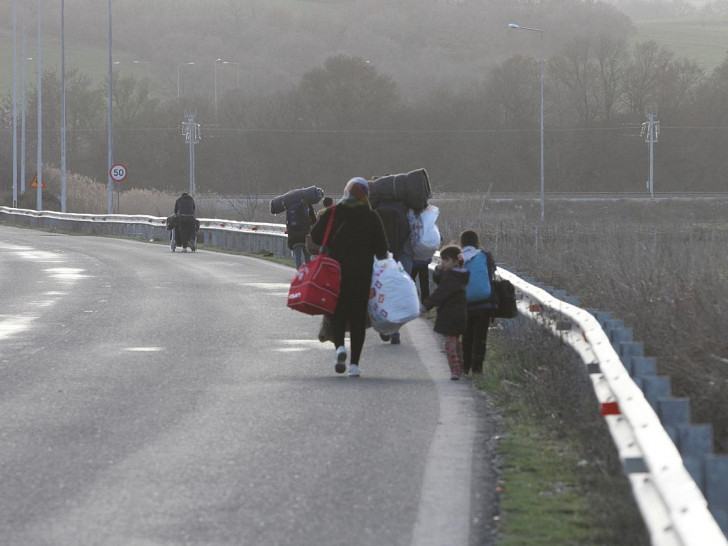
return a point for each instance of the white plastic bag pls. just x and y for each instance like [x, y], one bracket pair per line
[393, 299]
[424, 234]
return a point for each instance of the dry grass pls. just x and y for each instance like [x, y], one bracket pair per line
[660, 266]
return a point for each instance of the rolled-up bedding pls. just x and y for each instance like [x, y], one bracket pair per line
[310, 195]
[413, 188]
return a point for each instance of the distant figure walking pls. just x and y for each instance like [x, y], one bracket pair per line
[357, 236]
[184, 208]
[299, 219]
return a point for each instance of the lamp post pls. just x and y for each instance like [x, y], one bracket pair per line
[110, 121]
[23, 111]
[39, 154]
[179, 65]
[540, 64]
[215, 78]
[15, 104]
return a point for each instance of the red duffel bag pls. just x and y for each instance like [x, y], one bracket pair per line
[315, 286]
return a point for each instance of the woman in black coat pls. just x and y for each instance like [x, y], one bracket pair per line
[356, 237]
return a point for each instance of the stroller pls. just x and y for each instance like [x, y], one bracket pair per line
[175, 235]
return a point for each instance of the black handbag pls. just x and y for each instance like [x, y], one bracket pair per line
[504, 295]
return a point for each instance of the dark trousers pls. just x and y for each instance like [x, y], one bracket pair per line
[352, 308]
[474, 340]
[186, 229]
[423, 273]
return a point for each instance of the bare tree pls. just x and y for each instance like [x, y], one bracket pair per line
[576, 73]
[642, 78]
[514, 86]
[611, 58]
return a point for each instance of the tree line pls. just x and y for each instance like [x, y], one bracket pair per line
[349, 116]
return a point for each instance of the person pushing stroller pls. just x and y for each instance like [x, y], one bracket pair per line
[184, 233]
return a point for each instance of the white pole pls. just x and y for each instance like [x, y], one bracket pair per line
[191, 122]
[63, 106]
[15, 104]
[543, 193]
[540, 62]
[215, 78]
[22, 107]
[39, 157]
[651, 136]
[110, 136]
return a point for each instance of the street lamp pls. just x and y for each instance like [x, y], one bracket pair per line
[178, 69]
[540, 63]
[144, 62]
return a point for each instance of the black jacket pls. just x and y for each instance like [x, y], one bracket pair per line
[396, 225]
[357, 235]
[185, 205]
[450, 300]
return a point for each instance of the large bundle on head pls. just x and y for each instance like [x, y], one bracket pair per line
[413, 188]
[310, 196]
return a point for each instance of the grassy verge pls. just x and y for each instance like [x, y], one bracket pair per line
[560, 481]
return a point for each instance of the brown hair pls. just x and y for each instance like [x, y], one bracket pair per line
[469, 238]
[452, 252]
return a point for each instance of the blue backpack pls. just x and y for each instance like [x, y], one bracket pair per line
[478, 288]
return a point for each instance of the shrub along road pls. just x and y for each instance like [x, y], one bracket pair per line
[151, 397]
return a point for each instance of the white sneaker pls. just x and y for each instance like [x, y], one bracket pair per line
[354, 370]
[340, 366]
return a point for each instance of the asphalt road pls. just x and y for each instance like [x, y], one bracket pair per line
[158, 398]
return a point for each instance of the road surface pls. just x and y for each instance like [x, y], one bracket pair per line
[158, 398]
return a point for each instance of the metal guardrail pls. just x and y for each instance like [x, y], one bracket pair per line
[223, 234]
[672, 504]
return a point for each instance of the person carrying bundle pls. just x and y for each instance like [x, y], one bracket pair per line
[184, 208]
[300, 216]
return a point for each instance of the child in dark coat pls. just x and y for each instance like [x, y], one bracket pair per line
[451, 303]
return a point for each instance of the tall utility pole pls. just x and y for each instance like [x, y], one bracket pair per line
[39, 157]
[191, 131]
[22, 103]
[110, 135]
[15, 104]
[63, 106]
[651, 132]
[540, 64]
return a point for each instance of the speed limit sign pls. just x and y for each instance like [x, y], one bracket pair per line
[118, 172]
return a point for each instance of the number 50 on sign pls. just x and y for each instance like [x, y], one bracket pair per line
[118, 172]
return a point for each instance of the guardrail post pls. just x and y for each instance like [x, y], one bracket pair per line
[695, 442]
[654, 388]
[643, 365]
[716, 488]
[673, 412]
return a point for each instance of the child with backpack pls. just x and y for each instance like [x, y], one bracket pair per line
[480, 305]
[450, 300]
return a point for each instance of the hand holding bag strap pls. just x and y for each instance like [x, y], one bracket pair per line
[329, 225]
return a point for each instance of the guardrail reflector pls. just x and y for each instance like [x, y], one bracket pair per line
[610, 408]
